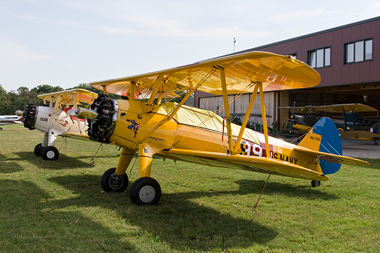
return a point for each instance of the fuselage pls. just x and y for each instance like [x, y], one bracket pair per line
[190, 128]
[52, 119]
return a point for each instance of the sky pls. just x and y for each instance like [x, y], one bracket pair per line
[69, 42]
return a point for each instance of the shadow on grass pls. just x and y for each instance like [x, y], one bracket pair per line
[63, 162]
[375, 163]
[183, 224]
[8, 166]
[301, 191]
[29, 222]
[177, 220]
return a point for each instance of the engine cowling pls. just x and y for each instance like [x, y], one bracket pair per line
[101, 128]
[30, 116]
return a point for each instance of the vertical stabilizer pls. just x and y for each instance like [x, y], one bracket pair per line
[324, 137]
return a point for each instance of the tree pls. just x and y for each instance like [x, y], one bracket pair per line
[4, 103]
[45, 88]
[86, 86]
[19, 100]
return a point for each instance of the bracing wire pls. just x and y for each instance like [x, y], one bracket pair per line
[255, 212]
[131, 169]
[174, 109]
[216, 112]
[92, 161]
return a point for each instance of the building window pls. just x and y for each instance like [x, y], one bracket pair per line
[320, 58]
[358, 51]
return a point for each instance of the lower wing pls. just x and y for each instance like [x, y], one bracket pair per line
[252, 163]
[359, 135]
[76, 135]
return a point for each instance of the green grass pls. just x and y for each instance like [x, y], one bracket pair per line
[59, 206]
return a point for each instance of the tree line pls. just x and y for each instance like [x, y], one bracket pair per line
[12, 101]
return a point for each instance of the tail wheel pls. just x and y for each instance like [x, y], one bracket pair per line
[50, 153]
[38, 149]
[112, 182]
[315, 183]
[145, 191]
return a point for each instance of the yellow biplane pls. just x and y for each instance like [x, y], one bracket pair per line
[55, 121]
[174, 131]
[348, 122]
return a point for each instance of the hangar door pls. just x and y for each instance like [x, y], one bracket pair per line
[239, 105]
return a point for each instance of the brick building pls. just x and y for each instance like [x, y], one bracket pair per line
[347, 58]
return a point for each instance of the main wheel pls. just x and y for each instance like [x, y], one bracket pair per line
[315, 183]
[50, 153]
[112, 182]
[38, 149]
[145, 191]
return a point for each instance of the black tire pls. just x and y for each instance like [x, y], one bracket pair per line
[315, 183]
[38, 149]
[111, 182]
[50, 153]
[145, 191]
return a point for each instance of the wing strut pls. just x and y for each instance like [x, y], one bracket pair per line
[246, 117]
[104, 89]
[226, 108]
[132, 91]
[264, 116]
[57, 103]
[75, 95]
[173, 112]
[154, 92]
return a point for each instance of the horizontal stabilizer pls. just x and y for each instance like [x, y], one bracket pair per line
[331, 158]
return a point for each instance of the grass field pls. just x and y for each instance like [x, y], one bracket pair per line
[59, 206]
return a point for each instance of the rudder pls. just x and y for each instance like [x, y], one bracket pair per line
[324, 137]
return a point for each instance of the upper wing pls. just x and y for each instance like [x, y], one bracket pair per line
[81, 96]
[253, 163]
[348, 108]
[337, 108]
[275, 72]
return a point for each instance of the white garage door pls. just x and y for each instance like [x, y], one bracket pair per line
[239, 106]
